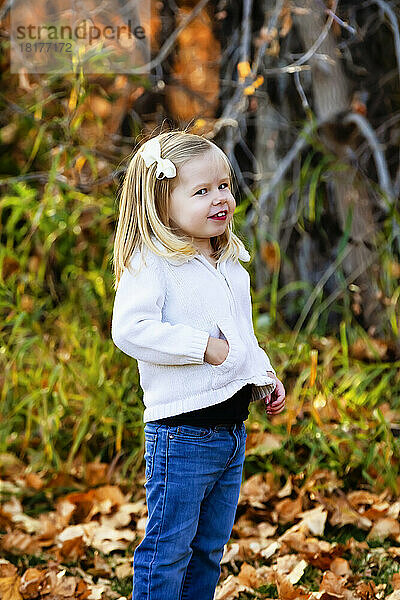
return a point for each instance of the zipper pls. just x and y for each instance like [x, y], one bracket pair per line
[231, 299]
[218, 273]
[235, 315]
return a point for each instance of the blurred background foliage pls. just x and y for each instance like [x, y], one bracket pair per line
[330, 328]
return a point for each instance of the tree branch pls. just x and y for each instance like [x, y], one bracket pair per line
[395, 27]
[168, 44]
[286, 161]
[379, 157]
[296, 66]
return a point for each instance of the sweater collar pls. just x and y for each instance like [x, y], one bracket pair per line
[179, 260]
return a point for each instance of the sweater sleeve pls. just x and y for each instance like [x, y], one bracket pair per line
[137, 328]
[265, 357]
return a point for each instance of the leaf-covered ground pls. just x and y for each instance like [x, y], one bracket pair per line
[73, 535]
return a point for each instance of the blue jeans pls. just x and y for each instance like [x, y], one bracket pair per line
[193, 478]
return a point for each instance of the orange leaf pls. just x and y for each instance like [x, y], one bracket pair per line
[32, 582]
[287, 22]
[270, 255]
[274, 48]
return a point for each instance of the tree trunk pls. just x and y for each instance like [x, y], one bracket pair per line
[331, 97]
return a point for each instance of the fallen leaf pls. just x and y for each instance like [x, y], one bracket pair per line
[33, 480]
[288, 509]
[314, 519]
[18, 542]
[340, 566]
[258, 489]
[248, 576]
[9, 588]
[384, 528]
[32, 583]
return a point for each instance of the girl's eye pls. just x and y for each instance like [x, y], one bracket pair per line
[227, 184]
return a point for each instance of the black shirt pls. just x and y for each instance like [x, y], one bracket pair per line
[232, 410]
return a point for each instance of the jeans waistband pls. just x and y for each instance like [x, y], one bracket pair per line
[226, 426]
[229, 426]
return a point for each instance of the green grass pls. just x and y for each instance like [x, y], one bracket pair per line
[122, 586]
[268, 590]
[54, 409]
[311, 578]
[67, 392]
[375, 566]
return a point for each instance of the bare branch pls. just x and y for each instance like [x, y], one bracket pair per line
[296, 66]
[302, 94]
[168, 45]
[4, 9]
[338, 19]
[394, 25]
[44, 177]
[365, 147]
[396, 34]
[285, 163]
[272, 25]
[246, 30]
[379, 157]
[41, 176]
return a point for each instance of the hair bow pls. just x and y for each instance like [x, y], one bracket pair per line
[151, 152]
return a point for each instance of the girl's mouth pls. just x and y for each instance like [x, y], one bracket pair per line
[220, 216]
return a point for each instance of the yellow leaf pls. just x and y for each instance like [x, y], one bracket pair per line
[80, 161]
[199, 123]
[249, 90]
[244, 70]
[73, 99]
[313, 370]
[259, 81]
[9, 588]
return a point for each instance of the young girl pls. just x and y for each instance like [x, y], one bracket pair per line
[183, 310]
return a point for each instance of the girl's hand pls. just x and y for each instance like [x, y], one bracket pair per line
[216, 351]
[275, 403]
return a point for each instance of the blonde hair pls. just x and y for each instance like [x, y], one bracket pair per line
[144, 205]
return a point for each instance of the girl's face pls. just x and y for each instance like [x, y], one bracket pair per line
[202, 190]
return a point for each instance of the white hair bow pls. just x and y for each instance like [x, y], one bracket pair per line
[151, 152]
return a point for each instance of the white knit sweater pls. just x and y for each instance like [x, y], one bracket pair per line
[163, 315]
